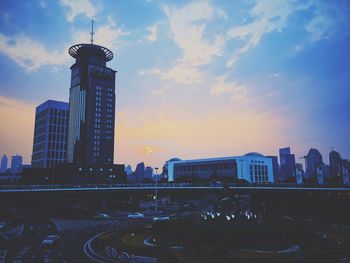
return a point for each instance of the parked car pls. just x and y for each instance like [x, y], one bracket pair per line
[50, 240]
[162, 218]
[102, 216]
[136, 215]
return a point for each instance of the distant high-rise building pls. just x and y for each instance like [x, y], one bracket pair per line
[287, 165]
[335, 165]
[139, 173]
[50, 134]
[3, 167]
[345, 166]
[275, 168]
[149, 173]
[92, 106]
[16, 164]
[128, 170]
[313, 159]
[299, 173]
[320, 172]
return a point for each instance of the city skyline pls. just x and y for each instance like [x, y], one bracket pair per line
[195, 79]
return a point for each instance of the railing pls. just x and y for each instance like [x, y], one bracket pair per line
[62, 187]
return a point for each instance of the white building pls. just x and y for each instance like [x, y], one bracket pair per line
[253, 167]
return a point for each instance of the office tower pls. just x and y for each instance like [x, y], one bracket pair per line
[320, 173]
[50, 134]
[149, 173]
[92, 106]
[313, 159]
[16, 164]
[3, 167]
[275, 168]
[128, 170]
[139, 173]
[345, 166]
[335, 166]
[299, 173]
[287, 165]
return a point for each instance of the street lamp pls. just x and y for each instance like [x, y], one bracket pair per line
[156, 200]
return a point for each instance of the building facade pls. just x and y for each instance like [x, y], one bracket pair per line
[299, 173]
[149, 173]
[92, 106]
[275, 168]
[335, 161]
[16, 164]
[50, 134]
[313, 161]
[287, 165]
[252, 167]
[3, 167]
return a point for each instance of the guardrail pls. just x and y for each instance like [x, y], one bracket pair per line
[90, 187]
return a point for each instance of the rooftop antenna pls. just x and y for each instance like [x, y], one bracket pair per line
[92, 32]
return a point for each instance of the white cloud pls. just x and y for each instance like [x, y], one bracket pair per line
[268, 16]
[319, 27]
[107, 35]
[235, 91]
[77, 7]
[152, 36]
[30, 54]
[187, 26]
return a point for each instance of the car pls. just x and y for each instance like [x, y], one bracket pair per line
[162, 218]
[102, 216]
[50, 240]
[136, 215]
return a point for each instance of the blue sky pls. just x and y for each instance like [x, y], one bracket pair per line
[195, 78]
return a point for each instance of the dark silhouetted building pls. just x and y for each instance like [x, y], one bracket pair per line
[287, 165]
[92, 106]
[3, 167]
[299, 173]
[149, 173]
[50, 134]
[275, 168]
[313, 161]
[16, 164]
[128, 170]
[335, 166]
[345, 165]
[139, 173]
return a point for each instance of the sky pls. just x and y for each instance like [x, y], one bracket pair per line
[195, 79]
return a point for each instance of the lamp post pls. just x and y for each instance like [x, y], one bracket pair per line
[156, 200]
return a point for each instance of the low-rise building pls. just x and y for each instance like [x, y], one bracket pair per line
[251, 167]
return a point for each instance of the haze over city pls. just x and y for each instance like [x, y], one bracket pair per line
[195, 78]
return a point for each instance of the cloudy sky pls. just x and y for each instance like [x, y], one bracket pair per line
[195, 78]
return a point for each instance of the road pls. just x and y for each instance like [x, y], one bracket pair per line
[21, 240]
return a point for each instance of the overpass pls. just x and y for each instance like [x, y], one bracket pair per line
[307, 198]
[169, 187]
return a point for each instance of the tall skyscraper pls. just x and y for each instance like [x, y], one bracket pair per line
[335, 165]
[50, 134]
[92, 106]
[313, 161]
[16, 164]
[287, 165]
[3, 167]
